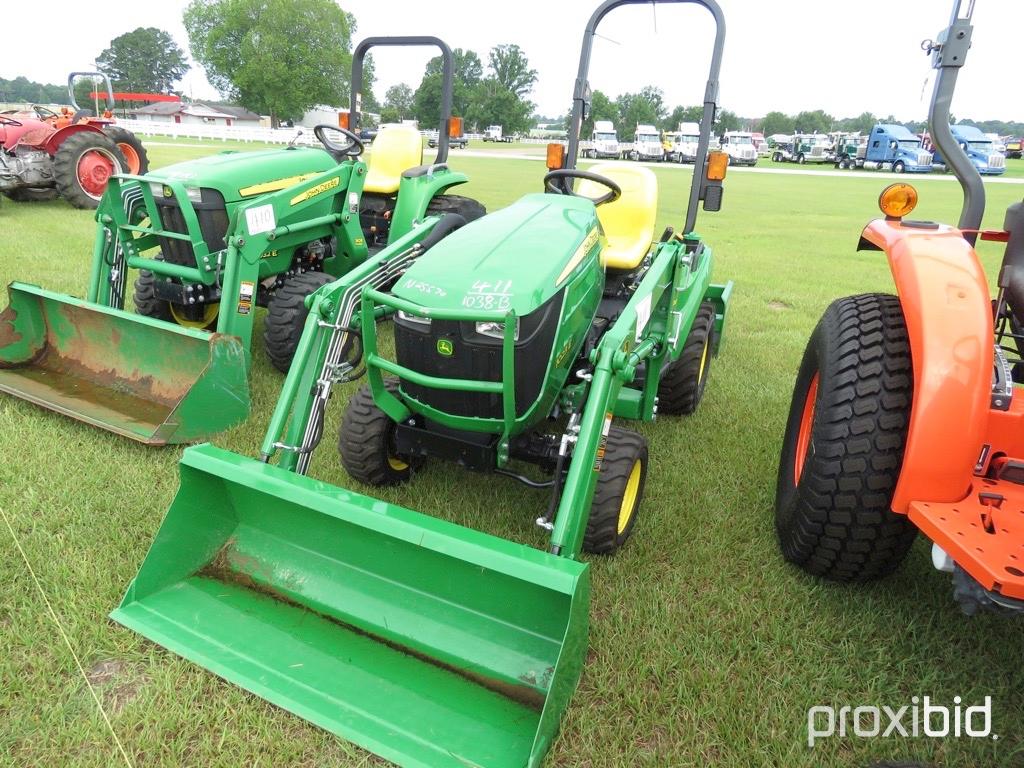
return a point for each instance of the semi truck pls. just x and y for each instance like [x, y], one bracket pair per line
[979, 148]
[844, 147]
[802, 148]
[497, 134]
[646, 144]
[604, 143]
[894, 148]
[684, 143]
[739, 146]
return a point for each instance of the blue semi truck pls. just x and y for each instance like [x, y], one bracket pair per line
[979, 148]
[894, 148]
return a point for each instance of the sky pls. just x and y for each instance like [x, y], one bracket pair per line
[843, 57]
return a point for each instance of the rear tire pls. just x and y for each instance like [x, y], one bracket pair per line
[843, 448]
[286, 316]
[131, 147]
[79, 151]
[683, 381]
[366, 441]
[619, 491]
[466, 207]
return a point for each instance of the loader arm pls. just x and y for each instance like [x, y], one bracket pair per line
[331, 323]
[650, 330]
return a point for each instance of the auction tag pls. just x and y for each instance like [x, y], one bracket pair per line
[260, 219]
[643, 315]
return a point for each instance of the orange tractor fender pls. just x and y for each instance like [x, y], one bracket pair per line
[61, 134]
[948, 311]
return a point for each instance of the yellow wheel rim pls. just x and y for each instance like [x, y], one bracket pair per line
[210, 312]
[703, 359]
[629, 496]
[397, 464]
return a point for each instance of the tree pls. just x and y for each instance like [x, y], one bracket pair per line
[777, 122]
[727, 121]
[863, 123]
[274, 56]
[399, 98]
[683, 115]
[494, 104]
[467, 70]
[817, 121]
[146, 59]
[512, 69]
[601, 108]
[646, 107]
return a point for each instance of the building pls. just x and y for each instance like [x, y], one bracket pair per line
[196, 113]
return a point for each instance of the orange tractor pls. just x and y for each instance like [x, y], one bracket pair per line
[908, 410]
[72, 153]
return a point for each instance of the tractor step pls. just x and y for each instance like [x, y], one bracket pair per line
[983, 533]
[430, 644]
[136, 376]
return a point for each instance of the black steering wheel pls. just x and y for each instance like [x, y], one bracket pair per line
[354, 147]
[43, 113]
[5, 120]
[560, 182]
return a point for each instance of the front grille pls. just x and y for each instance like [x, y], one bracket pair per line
[996, 160]
[477, 358]
[213, 225]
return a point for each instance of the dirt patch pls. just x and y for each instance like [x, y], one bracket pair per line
[116, 683]
[779, 306]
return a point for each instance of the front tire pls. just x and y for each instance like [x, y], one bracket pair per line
[683, 381]
[898, 167]
[286, 316]
[619, 491]
[843, 448]
[366, 441]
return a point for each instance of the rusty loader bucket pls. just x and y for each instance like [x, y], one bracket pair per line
[142, 378]
[425, 642]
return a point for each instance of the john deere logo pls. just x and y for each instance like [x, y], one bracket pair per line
[168, 192]
[445, 347]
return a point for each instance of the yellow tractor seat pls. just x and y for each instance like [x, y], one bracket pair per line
[628, 223]
[397, 148]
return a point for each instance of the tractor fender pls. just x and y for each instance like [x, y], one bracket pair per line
[61, 134]
[946, 304]
[416, 189]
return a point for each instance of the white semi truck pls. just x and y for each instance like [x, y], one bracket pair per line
[603, 142]
[646, 144]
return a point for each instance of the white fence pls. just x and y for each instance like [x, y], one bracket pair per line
[221, 132]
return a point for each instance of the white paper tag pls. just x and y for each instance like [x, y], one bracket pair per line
[643, 315]
[260, 219]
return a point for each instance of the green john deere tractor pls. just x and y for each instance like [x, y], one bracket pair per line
[212, 239]
[528, 335]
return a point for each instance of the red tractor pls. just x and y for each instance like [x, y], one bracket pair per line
[73, 153]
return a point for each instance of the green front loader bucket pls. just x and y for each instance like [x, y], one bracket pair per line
[425, 642]
[139, 377]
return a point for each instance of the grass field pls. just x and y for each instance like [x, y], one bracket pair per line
[706, 648]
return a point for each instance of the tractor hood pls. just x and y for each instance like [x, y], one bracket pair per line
[516, 258]
[238, 175]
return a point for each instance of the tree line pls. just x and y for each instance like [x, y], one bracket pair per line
[250, 53]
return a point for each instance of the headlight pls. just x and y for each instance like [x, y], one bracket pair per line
[496, 330]
[409, 318]
[195, 194]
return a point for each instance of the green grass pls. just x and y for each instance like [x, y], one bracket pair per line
[706, 648]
